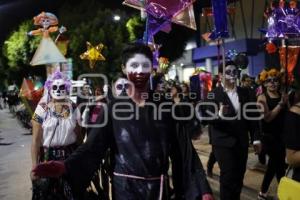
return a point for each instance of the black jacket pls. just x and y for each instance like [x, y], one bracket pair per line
[140, 147]
[234, 131]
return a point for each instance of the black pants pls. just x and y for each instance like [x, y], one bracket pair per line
[232, 162]
[276, 164]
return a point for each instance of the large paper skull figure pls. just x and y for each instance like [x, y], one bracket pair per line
[58, 89]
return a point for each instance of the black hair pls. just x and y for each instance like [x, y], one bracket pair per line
[136, 48]
[230, 62]
[244, 77]
[178, 88]
[215, 81]
[117, 76]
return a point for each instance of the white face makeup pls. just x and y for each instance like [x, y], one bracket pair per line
[58, 89]
[139, 63]
[121, 85]
[231, 73]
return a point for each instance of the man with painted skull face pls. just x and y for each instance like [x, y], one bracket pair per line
[55, 135]
[141, 144]
[229, 130]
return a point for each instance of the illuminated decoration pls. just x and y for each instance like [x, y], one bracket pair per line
[220, 19]
[292, 59]
[208, 12]
[164, 64]
[283, 20]
[47, 21]
[47, 52]
[161, 13]
[93, 54]
[31, 94]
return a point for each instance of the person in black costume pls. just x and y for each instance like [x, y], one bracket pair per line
[246, 82]
[273, 104]
[212, 158]
[292, 136]
[141, 144]
[229, 129]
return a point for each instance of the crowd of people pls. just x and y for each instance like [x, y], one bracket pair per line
[131, 145]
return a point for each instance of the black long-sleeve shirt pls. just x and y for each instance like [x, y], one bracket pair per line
[141, 146]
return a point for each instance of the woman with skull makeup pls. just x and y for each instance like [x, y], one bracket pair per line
[273, 104]
[140, 142]
[229, 130]
[55, 135]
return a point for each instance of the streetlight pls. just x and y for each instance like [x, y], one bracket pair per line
[117, 17]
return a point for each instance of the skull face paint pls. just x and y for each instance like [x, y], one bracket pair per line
[138, 69]
[231, 73]
[58, 89]
[121, 85]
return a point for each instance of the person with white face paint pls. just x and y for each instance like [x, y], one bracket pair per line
[229, 131]
[55, 135]
[141, 144]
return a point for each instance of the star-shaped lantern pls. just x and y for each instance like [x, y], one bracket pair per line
[93, 54]
[161, 13]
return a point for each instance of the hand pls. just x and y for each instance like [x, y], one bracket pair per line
[33, 176]
[284, 99]
[50, 169]
[105, 88]
[224, 109]
[257, 148]
[207, 197]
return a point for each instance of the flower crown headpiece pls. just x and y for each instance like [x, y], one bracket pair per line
[55, 76]
[268, 73]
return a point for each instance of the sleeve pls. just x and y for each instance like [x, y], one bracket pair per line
[82, 164]
[189, 178]
[39, 113]
[210, 111]
[291, 136]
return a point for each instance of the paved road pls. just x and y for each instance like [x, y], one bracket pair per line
[15, 159]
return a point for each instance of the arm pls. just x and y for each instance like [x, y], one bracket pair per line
[37, 135]
[80, 136]
[214, 110]
[291, 137]
[189, 178]
[35, 146]
[82, 164]
[269, 115]
[36, 142]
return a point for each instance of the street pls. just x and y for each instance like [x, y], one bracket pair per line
[15, 158]
[15, 163]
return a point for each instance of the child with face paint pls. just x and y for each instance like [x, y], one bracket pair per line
[141, 144]
[55, 135]
[229, 130]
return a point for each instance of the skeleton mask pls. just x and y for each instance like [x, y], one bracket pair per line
[58, 89]
[121, 86]
[138, 69]
[231, 73]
